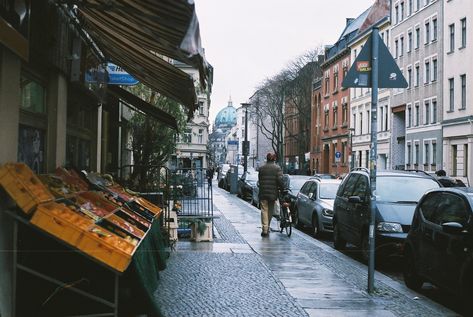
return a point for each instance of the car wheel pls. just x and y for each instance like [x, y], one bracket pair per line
[411, 277]
[338, 242]
[315, 225]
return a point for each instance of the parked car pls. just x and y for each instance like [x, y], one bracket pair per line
[325, 176]
[314, 204]
[439, 246]
[227, 176]
[397, 194]
[221, 175]
[295, 184]
[246, 184]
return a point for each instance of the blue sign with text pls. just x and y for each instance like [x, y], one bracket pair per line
[116, 76]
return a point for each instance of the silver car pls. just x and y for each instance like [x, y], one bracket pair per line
[314, 204]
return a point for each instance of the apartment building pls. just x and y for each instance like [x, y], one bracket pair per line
[360, 98]
[458, 110]
[416, 44]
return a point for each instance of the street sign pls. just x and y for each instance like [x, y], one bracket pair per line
[116, 76]
[338, 155]
[360, 73]
[232, 145]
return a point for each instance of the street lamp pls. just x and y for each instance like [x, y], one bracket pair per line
[246, 145]
[352, 154]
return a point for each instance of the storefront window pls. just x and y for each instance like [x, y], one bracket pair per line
[32, 96]
[31, 148]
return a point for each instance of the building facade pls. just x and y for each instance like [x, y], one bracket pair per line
[457, 98]
[416, 44]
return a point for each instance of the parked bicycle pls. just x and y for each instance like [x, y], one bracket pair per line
[285, 217]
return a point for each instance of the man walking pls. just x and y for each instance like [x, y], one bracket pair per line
[270, 181]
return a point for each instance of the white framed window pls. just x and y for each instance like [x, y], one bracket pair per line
[427, 32]
[463, 26]
[434, 29]
[409, 116]
[417, 38]
[426, 71]
[434, 110]
[426, 112]
[409, 41]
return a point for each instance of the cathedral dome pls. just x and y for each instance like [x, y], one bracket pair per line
[226, 118]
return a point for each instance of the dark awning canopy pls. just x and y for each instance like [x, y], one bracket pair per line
[143, 106]
[143, 35]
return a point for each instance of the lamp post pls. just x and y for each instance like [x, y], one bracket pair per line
[246, 145]
[352, 154]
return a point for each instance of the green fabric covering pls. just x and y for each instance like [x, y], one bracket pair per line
[148, 260]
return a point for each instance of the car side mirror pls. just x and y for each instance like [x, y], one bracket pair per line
[355, 199]
[452, 227]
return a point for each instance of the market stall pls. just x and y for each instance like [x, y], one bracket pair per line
[84, 246]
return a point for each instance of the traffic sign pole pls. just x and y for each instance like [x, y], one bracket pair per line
[373, 156]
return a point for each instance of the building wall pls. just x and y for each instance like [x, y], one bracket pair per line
[423, 98]
[10, 68]
[458, 119]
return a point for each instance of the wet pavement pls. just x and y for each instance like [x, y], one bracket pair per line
[242, 274]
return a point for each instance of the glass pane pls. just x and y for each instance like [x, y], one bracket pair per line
[31, 148]
[32, 97]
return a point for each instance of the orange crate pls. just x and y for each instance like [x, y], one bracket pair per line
[23, 186]
[61, 222]
[149, 206]
[107, 248]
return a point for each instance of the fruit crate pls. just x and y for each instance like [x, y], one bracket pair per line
[23, 186]
[107, 248]
[61, 222]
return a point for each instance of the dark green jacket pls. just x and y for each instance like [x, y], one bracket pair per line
[270, 181]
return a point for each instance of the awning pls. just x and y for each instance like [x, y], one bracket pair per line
[138, 35]
[143, 106]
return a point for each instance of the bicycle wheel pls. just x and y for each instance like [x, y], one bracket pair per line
[286, 223]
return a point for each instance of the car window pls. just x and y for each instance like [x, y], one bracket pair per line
[452, 208]
[305, 188]
[313, 189]
[350, 185]
[429, 205]
[361, 187]
[328, 191]
[403, 188]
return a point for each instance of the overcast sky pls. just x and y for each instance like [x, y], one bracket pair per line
[247, 41]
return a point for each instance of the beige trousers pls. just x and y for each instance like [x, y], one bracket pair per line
[268, 209]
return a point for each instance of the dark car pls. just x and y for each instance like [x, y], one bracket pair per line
[221, 175]
[397, 194]
[439, 246]
[314, 204]
[246, 185]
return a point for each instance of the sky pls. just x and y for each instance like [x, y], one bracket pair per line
[247, 41]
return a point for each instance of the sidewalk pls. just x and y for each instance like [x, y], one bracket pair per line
[242, 274]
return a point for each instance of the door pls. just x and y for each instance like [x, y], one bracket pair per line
[303, 202]
[451, 248]
[342, 207]
[360, 212]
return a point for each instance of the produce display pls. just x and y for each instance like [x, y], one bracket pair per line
[107, 223]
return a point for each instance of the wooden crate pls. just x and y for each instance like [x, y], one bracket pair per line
[107, 248]
[61, 222]
[23, 186]
[149, 206]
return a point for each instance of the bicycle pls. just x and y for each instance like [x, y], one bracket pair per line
[285, 217]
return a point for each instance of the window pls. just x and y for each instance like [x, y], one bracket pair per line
[417, 5]
[368, 118]
[409, 41]
[454, 160]
[401, 12]
[434, 29]
[33, 96]
[409, 155]
[463, 24]
[381, 109]
[402, 46]
[463, 95]
[434, 111]
[201, 108]
[417, 43]
[417, 76]
[429, 205]
[396, 47]
[417, 114]
[452, 208]
[416, 158]
[327, 86]
[434, 153]
[427, 112]
[409, 116]
[386, 122]
[427, 32]
[344, 114]
[426, 153]
[326, 119]
[451, 88]
[361, 123]
[335, 80]
[451, 29]
[200, 137]
[335, 117]
[427, 72]
[465, 159]
[409, 78]
[396, 10]
[350, 185]
[187, 137]
[435, 69]
[410, 7]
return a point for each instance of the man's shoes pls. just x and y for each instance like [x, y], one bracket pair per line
[264, 234]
